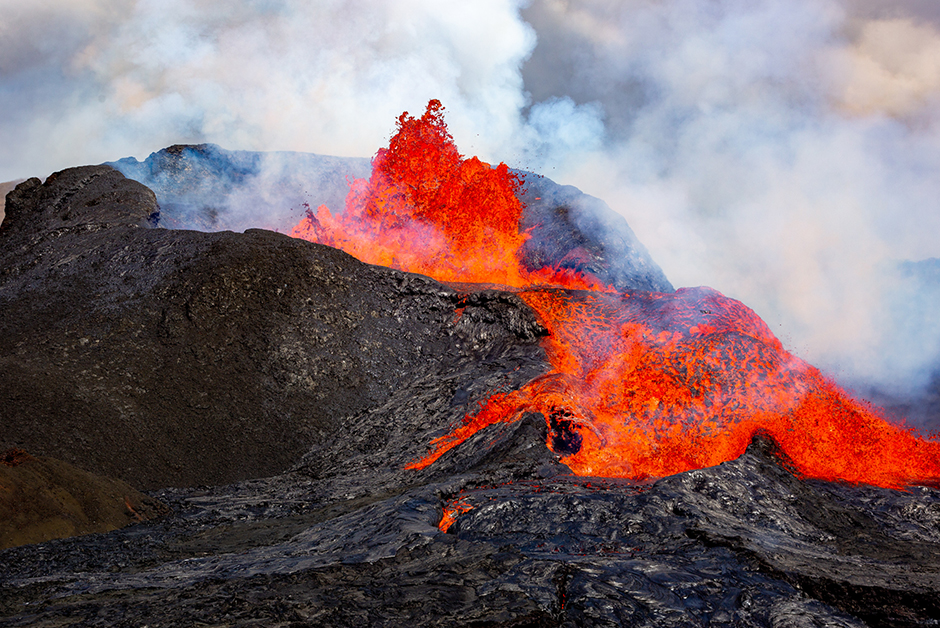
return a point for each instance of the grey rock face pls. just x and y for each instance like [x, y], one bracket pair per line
[571, 229]
[179, 358]
[208, 188]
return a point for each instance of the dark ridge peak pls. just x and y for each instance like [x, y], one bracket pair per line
[178, 149]
[87, 197]
[208, 188]
[764, 446]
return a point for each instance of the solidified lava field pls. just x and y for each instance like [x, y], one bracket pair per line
[276, 396]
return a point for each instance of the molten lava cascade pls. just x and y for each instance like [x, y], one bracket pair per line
[642, 384]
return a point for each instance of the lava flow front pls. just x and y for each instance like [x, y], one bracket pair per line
[642, 384]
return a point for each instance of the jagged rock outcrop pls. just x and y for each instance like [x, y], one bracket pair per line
[5, 188]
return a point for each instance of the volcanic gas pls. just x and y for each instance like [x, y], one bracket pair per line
[642, 384]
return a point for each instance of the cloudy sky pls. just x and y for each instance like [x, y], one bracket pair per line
[785, 152]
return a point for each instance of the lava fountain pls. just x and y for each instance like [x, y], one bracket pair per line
[642, 384]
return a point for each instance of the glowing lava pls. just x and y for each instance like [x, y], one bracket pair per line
[427, 210]
[642, 384]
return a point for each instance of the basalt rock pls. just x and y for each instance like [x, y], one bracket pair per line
[743, 544]
[180, 358]
[5, 188]
[256, 356]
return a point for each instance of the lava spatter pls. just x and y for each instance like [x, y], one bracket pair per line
[642, 384]
[426, 209]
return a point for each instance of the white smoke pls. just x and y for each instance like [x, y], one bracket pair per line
[86, 82]
[784, 152]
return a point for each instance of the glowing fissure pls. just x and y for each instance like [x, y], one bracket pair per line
[642, 384]
[453, 510]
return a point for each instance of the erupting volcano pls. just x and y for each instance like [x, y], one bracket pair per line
[270, 392]
[643, 384]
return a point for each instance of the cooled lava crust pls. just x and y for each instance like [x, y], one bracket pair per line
[282, 387]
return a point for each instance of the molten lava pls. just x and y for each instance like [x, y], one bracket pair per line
[427, 210]
[642, 384]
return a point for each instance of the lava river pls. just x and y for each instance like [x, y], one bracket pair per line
[643, 384]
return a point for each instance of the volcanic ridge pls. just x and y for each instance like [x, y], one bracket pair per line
[327, 442]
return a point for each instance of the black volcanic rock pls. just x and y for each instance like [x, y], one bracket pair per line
[241, 355]
[742, 544]
[5, 188]
[179, 358]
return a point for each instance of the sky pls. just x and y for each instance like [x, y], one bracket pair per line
[784, 152]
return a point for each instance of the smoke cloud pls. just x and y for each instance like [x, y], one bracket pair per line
[97, 80]
[784, 152]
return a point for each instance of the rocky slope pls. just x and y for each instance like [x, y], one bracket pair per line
[180, 358]
[281, 387]
[44, 498]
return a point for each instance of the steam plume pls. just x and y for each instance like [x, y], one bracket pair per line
[779, 151]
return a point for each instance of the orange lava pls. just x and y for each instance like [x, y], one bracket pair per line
[427, 210]
[451, 512]
[642, 384]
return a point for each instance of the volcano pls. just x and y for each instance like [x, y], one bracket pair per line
[521, 424]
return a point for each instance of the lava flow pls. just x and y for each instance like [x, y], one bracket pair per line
[642, 384]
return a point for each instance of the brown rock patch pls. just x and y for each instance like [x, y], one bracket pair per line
[44, 498]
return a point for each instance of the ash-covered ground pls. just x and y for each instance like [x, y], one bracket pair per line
[270, 392]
